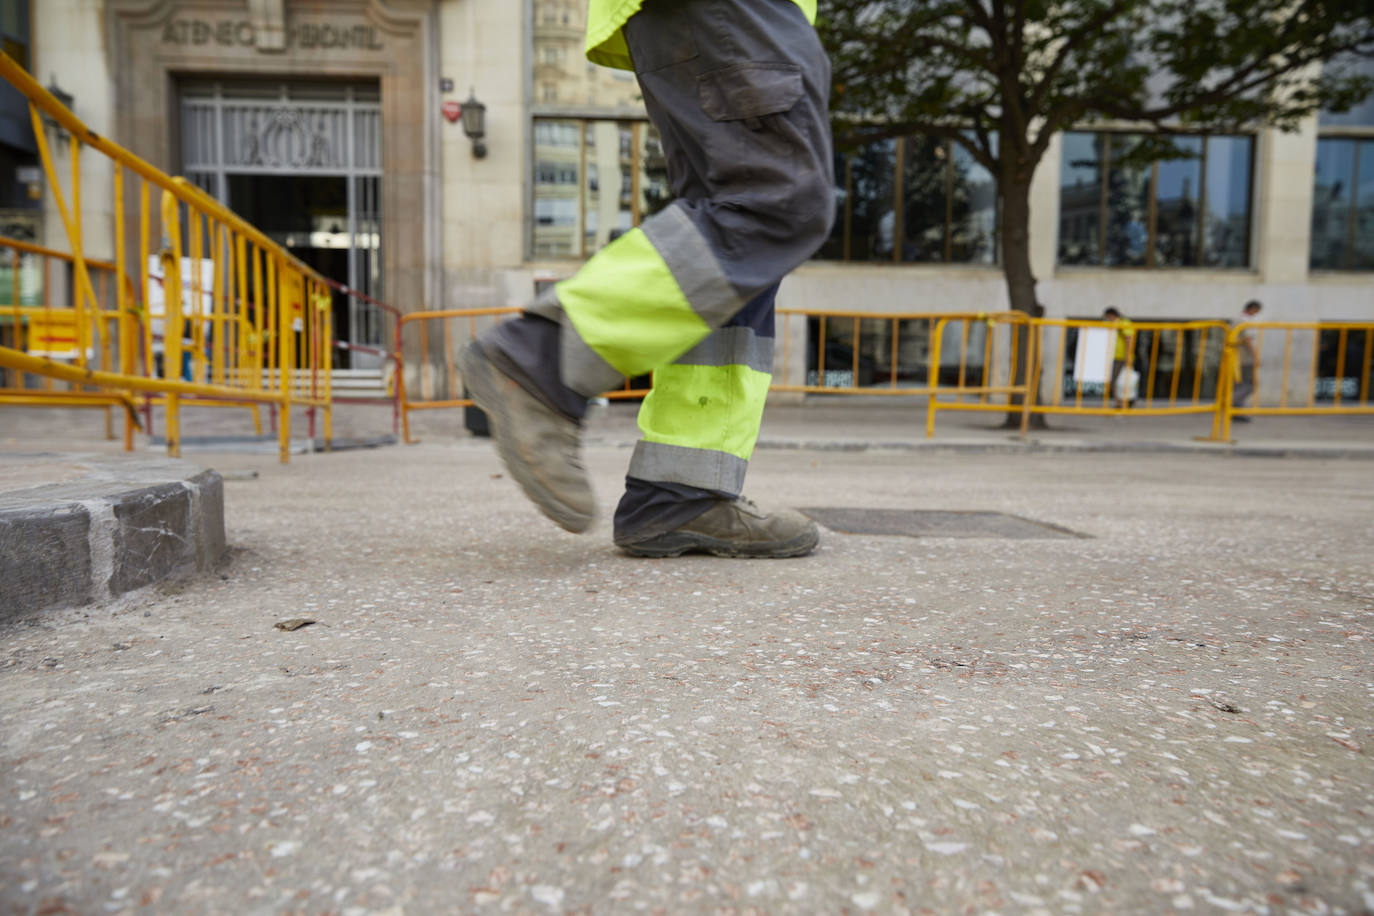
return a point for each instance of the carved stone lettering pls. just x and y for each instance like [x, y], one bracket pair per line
[240, 33]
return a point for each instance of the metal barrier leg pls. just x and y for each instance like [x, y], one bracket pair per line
[1032, 378]
[284, 434]
[1221, 419]
[257, 421]
[403, 406]
[173, 426]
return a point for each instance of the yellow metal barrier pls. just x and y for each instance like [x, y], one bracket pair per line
[442, 390]
[1000, 362]
[29, 322]
[1325, 370]
[1089, 366]
[851, 349]
[971, 370]
[1014, 384]
[242, 321]
[428, 399]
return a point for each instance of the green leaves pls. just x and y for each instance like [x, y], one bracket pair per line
[1031, 68]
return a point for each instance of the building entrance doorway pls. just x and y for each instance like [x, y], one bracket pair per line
[302, 163]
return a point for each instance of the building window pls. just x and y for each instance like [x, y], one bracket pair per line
[1120, 207]
[1343, 204]
[913, 200]
[593, 178]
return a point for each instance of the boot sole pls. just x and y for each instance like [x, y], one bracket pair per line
[676, 543]
[482, 380]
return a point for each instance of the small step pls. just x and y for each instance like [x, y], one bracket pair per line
[78, 529]
[345, 383]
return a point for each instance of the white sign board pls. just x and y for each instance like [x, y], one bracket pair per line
[1092, 361]
[1092, 364]
[157, 297]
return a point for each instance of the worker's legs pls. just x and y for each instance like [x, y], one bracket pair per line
[700, 423]
[738, 90]
[1240, 397]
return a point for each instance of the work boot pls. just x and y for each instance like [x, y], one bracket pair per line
[731, 528]
[540, 446]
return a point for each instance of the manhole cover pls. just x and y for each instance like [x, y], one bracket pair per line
[922, 523]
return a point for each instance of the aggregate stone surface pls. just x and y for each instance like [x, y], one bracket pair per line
[492, 716]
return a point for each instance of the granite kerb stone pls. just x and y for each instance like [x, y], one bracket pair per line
[45, 558]
[120, 526]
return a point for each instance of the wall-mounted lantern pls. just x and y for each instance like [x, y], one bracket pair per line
[65, 99]
[475, 124]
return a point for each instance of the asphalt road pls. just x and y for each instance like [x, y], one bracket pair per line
[1171, 714]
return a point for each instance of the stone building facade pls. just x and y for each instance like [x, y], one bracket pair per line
[239, 94]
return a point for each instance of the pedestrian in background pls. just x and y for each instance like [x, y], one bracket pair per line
[1248, 357]
[1120, 389]
[739, 91]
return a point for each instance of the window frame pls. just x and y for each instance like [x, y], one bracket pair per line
[1104, 168]
[1359, 137]
[639, 126]
[844, 218]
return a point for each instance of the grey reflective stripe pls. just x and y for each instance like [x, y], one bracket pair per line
[731, 347]
[582, 368]
[693, 264]
[579, 366]
[546, 305]
[694, 467]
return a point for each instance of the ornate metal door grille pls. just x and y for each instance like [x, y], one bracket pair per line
[298, 129]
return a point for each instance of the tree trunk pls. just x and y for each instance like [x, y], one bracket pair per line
[1016, 267]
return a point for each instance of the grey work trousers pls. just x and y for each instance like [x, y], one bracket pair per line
[738, 90]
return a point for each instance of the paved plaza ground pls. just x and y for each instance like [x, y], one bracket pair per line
[1173, 712]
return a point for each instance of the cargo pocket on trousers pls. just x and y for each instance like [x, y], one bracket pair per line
[753, 149]
[750, 92]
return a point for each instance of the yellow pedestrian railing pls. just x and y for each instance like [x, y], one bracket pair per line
[433, 339]
[29, 322]
[1002, 362]
[879, 353]
[856, 354]
[1140, 368]
[213, 313]
[437, 390]
[969, 361]
[1013, 384]
[1324, 369]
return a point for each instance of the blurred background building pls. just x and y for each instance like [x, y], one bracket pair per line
[330, 124]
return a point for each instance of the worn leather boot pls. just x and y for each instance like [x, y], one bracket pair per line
[541, 447]
[731, 528]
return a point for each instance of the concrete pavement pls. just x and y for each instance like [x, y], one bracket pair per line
[489, 715]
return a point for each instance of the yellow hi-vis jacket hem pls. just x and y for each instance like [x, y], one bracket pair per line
[606, 42]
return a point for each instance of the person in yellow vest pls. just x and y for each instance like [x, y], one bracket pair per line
[739, 92]
[1122, 356]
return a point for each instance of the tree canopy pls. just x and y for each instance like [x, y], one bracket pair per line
[993, 73]
[1003, 77]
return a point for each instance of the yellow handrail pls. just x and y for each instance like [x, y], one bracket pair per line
[224, 330]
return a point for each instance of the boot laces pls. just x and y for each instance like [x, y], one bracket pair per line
[749, 506]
